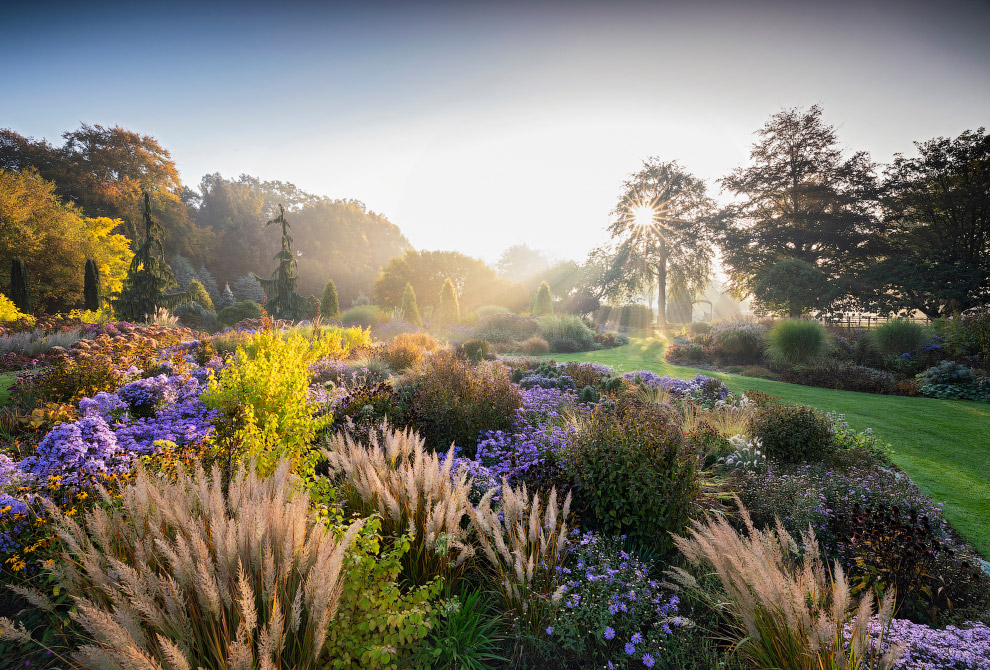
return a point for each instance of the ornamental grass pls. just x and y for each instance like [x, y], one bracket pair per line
[413, 491]
[178, 576]
[788, 612]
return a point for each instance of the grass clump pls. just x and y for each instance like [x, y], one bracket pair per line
[897, 336]
[797, 341]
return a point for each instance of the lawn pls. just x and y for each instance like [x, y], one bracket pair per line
[5, 382]
[944, 445]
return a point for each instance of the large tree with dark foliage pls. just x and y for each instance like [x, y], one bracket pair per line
[91, 285]
[660, 228]
[18, 286]
[936, 254]
[283, 301]
[798, 198]
[150, 277]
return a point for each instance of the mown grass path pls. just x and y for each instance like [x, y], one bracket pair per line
[5, 382]
[944, 445]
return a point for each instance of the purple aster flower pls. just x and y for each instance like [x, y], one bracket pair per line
[609, 633]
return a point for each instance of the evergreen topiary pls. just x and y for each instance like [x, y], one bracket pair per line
[226, 298]
[284, 302]
[448, 312]
[91, 286]
[18, 286]
[195, 292]
[410, 308]
[330, 305]
[543, 304]
[149, 276]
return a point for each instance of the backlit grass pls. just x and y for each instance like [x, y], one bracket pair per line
[6, 380]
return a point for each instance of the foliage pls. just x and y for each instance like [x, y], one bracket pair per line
[843, 375]
[791, 287]
[631, 473]
[525, 543]
[452, 402]
[264, 392]
[9, 311]
[91, 286]
[964, 647]
[252, 577]
[19, 293]
[196, 293]
[739, 342]
[196, 316]
[448, 311]
[476, 350]
[534, 346]
[784, 607]
[362, 315]
[410, 308]
[566, 329]
[226, 298]
[466, 636]
[794, 433]
[614, 614]
[668, 248]
[797, 341]
[377, 625]
[410, 489]
[149, 276]
[249, 288]
[408, 349]
[543, 305]
[245, 309]
[954, 380]
[897, 336]
[505, 328]
[637, 317]
[284, 302]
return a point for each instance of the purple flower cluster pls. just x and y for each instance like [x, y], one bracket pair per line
[144, 396]
[184, 421]
[75, 451]
[704, 389]
[926, 648]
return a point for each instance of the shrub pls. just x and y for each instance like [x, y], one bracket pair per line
[412, 490]
[364, 316]
[486, 311]
[794, 433]
[797, 341]
[408, 349]
[897, 336]
[9, 311]
[739, 342]
[329, 303]
[543, 304]
[452, 402]
[476, 350]
[525, 543]
[37, 342]
[534, 346]
[245, 309]
[196, 316]
[952, 380]
[636, 317]
[506, 328]
[448, 310]
[631, 472]
[699, 328]
[227, 602]
[785, 608]
[840, 375]
[568, 329]
[378, 625]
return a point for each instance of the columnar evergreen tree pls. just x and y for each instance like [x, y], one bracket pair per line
[543, 304]
[226, 298]
[149, 277]
[91, 286]
[448, 312]
[249, 288]
[283, 301]
[209, 283]
[18, 286]
[195, 292]
[183, 271]
[410, 308]
[330, 305]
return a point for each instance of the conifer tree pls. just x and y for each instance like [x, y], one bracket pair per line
[283, 301]
[448, 312]
[330, 305]
[410, 308]
[197, 293]
[149, 276]
[226, 298]
[18, 286]
[91, 286]
[544, 303]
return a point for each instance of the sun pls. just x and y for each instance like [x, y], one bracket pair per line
[643, 216]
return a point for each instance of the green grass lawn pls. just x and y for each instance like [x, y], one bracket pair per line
[5, 381]
[944, 445]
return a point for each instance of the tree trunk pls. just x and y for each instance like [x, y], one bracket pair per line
[662, 294]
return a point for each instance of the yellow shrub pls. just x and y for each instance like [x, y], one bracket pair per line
[407, 349]
[9, 311]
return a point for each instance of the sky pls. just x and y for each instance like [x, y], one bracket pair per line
[476, 126]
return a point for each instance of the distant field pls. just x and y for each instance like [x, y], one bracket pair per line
[944, 445]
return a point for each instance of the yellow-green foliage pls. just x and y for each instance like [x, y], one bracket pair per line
[263, 393]
[102, 316]
[377, 625]
[320, 342]
[9, 311]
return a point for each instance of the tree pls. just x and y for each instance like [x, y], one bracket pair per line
[226, 298]
[18, 286]
[330, 305]
[410, 308]
[149, 277]
[197, 294]
[543, 304]
[791, 287]
[54, 240]
[209, 283]
[91, 285]
[519, 262]
[660, 228]
[936, 253]
[284, 302]
[249, 288]
[799, 198]
[182, 270]
[448, 311]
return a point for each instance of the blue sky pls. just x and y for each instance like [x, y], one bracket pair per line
[476, 126]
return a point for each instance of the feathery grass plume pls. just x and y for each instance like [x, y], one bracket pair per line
[525, 542]
[180, 576]
[413, 491]
[787, 611]
[162, 317]
[726, 418]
